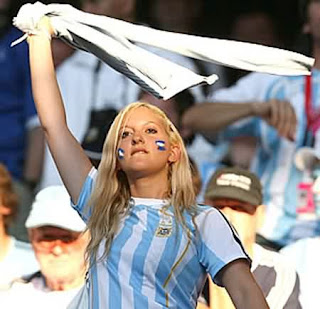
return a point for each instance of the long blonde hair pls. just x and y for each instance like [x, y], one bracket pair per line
[111, 195]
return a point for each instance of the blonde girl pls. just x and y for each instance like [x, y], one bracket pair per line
[151, 245]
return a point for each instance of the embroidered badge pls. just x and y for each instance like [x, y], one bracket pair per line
[161, 145]
[164, 228]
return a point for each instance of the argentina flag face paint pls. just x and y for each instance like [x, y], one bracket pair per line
[120, 153]
[161, 145]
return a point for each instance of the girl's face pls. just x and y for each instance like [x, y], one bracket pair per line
[144, 148]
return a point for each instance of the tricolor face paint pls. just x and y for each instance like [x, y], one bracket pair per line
[161, 145]
[120, 153]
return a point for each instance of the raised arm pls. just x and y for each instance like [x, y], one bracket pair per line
[70, 159]
[208, 118]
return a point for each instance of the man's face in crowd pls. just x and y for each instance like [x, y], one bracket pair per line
[59, 252]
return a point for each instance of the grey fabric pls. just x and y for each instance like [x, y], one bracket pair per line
[266, 278]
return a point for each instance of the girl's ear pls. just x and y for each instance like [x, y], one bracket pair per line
[175, 153]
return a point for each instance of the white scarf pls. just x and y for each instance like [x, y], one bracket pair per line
[112, 40]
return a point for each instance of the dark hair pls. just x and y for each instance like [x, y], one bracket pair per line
[8, 197]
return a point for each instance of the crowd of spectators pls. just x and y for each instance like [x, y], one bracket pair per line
[255, 122]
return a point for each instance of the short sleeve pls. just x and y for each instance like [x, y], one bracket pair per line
[85, 195]
[218, 243]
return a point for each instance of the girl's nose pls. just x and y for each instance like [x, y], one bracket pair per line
[57, 250]
[137, 138]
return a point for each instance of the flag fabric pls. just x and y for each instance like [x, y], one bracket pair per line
[120, 45]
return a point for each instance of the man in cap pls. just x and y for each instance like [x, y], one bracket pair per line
[238, 194]
[57, 234]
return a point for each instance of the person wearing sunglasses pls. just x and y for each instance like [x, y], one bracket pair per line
[58, 237]
[237, 193]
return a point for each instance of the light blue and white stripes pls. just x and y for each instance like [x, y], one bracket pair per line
[151, 270]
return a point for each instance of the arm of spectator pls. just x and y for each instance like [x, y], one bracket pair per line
[71, 161]
[208, 118]
[240, 284]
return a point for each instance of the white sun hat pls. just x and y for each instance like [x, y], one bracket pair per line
[52, 206]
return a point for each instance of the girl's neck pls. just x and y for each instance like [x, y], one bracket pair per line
[152, 186]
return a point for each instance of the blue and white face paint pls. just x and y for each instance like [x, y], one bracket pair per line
[120, 153]
[161, 145]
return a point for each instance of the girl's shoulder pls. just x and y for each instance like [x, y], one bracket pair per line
[203, 209]
[206, 215]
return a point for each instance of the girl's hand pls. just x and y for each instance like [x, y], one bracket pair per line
[45, 24]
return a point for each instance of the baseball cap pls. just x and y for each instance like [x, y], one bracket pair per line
[52, 206]
[235, 183]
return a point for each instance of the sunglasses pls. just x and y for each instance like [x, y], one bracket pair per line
[46, 242]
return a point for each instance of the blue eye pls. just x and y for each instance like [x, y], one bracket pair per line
[124, 134]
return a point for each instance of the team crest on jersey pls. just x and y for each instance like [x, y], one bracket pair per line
[164, 228]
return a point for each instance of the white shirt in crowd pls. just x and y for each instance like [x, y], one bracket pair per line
[305, 255]
[19, 261]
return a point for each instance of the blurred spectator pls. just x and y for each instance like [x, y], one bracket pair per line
[90, 88]
[16, 257]
[57, 235]
[238, 194]
[185, 16]
[253, 25]
[182, 16]
[281, 128]
[21, 138]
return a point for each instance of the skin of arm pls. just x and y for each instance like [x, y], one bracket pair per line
[208, 118]
[70, 159]
[241, 286]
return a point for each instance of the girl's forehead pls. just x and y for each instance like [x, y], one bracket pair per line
[141, 115]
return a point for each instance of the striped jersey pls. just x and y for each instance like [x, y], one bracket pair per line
[151, 263]
[274, 158]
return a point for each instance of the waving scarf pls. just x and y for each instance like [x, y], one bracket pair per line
[115, 43]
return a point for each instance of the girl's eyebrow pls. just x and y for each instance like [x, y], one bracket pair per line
[125, 127]
[145, 124]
